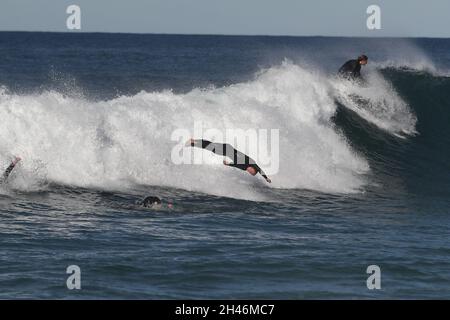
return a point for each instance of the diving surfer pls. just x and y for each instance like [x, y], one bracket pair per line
[9, 170]
[352, 69]
[240, 160]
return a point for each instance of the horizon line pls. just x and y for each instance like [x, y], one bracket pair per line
[226, 35]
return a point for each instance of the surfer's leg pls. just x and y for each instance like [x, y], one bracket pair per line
[221, 149]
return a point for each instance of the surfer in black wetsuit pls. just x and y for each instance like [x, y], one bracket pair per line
[240, 160]
[352, 69]
[9, 170]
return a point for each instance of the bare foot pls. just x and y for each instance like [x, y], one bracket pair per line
[190, 143]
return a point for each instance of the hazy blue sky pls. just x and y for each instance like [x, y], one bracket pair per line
[417, 18]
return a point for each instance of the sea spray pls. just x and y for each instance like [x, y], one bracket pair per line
[125, 141]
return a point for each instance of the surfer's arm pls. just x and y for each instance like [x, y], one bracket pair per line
[263, 174]
[266, 178]
[10, 169]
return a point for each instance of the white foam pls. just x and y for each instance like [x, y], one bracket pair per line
[126, 141]
[377, 102]
[408, 57]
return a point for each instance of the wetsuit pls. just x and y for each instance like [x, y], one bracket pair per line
[240, 160]
[351, 70]
[7, 173]
[150, 201]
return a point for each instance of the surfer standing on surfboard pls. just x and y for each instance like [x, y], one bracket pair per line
[351, 70]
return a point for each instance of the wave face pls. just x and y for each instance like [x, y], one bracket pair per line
[378, 103]
[70, 138]
[127, 140]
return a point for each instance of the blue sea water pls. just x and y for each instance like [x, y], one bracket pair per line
[361, 182]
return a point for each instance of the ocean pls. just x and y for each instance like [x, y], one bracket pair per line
[363, 175]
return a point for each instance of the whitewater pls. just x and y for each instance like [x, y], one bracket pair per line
[126, 140]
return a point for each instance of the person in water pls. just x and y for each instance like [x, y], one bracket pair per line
[9, 170]
[352, 68]
[240, 160]
[153, 202]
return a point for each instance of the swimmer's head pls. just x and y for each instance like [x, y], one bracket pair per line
[251, 170]
[151, 201]
[363, 59]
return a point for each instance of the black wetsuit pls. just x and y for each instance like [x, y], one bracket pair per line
[240, 160]
[149, 201]
[351, 70]
[7, 173]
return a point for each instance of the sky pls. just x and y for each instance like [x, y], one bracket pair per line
[399, 18]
